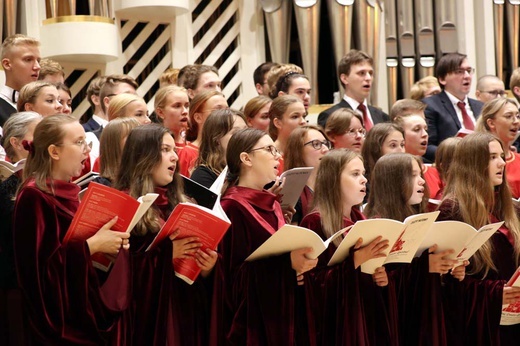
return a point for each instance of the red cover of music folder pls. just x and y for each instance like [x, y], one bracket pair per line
[193, 221]
[99, 205]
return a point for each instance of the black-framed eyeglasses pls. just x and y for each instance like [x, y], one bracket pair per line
[317, 144]
[270, 148]
[495, 93]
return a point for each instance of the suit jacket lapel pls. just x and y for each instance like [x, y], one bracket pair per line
[448, 106]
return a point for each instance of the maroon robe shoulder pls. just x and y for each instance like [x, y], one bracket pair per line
[165, 309]
[253, 302]
[349, 308]
[481, 306]
[64, 301]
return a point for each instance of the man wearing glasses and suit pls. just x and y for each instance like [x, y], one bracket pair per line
[450, 110]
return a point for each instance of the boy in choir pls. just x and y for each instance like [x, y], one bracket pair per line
[355, 73]
[199, 78]
[98, 118]
[51, 71]
[260, 77]
[20, 58]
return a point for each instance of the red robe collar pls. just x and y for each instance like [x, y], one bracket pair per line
[260, 199]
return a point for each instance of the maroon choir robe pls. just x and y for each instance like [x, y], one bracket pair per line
[63, 298]
[349, 308]
[165, 310]
[253, 302]
[415, 302]
[480, 308]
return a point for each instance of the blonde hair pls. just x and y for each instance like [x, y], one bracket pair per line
[418, 90]
[278, 72]
[118, 104]
[29, 93]
[405, 107]
[49, 67]
[168, 77]
[164, 92]
[490, 110]
[110, 145]
[14, 41]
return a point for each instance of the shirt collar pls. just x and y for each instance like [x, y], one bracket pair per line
[455, 100]
[353, 103]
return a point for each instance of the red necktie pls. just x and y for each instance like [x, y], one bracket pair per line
[366, 121]
[468, 123]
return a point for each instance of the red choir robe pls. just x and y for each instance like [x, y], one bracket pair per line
[513, 174]
[475, 316]
[254, 302]
[188, 155]
[349, 308]
[434, 182]
[63, 298]
[415, 302]
[419, 307]
[165, 310]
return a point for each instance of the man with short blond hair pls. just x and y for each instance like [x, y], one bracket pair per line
[20, 59]
[51, 71]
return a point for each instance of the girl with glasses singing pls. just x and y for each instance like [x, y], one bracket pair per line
[255, 302]
[345, 129]
[305, 148]
[62, 294]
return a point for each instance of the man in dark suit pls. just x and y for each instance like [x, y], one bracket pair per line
[21, 63]
[356, 72]
[450, 110]
[98, 119]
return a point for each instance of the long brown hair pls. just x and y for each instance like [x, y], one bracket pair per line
[277, 111]
[328, 198]
[391, 186]
[49, 131]
[110, 145]
[476, 199]
[141, 154]
[217, 125]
